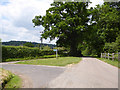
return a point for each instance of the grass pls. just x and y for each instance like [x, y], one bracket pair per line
[109, 61]
[9, 80]
[15, 82]
[5, 76]
[61, 61]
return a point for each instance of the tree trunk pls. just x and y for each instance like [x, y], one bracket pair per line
[74, 51]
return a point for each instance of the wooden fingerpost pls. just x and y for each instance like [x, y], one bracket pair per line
[108, 56]
[105, 55]
[118, 56]
[101, 55]
[113, 56]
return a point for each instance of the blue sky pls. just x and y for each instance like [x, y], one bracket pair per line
[4, 2]
[16, 19]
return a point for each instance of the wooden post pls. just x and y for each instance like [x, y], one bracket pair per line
[101, 55]
[118, 56]
[108, 56]
[105, 55]
[56, 53]
[118, 59]
[113, 56]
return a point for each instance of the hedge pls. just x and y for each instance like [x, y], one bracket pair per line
[9, 52]
[23, 52]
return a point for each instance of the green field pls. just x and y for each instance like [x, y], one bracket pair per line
[61, 61]
[112, 62]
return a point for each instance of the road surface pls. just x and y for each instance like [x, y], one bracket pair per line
[89, 73]
[34, 76]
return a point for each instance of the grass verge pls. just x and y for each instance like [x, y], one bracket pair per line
[109, 61]
[9, 80]
[15, 82]
[61, 61]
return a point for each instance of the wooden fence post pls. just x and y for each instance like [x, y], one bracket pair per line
[108, 56]
[118, 56]
[105, 55]
[112, 56]
[101, 55]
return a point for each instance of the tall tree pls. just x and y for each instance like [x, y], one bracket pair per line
[68, 21]
[104, 26]
[107, 21]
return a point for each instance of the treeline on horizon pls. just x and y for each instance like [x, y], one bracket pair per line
[26, 43]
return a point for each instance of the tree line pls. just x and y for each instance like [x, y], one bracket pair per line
[29, 44]
[81, 29]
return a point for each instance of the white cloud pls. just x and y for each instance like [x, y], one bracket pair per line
[95, 2]
[16, 19]
[21, 12]
[9, 32]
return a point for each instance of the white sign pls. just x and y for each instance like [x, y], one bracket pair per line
[54, 49]
[56, 52]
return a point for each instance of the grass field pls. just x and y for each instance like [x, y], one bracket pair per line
[114, 63]
[61, 61]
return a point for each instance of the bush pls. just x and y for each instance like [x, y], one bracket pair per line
[12, 53]
[23, 52]
[47, 52]
[4, 53]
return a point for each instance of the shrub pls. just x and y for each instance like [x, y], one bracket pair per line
[9, 52]
[4, 53]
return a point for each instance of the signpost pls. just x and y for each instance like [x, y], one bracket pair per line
[56, 52]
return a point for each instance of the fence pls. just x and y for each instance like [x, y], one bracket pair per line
[110, 56]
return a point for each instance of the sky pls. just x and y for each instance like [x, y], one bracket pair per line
[16, 19]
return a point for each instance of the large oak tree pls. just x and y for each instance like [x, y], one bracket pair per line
[68, 21]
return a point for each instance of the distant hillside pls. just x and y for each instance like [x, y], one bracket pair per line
[20, 43]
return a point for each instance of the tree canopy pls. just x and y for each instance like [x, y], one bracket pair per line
[75, 25]
[67, 22]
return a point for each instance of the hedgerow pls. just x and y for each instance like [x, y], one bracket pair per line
[23, 52]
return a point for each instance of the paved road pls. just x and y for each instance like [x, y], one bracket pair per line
[35, 76]
[89, 73]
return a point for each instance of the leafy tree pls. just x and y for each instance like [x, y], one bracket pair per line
[68, 21]
[104, 26]
[114, 5]
[46, 48]
[107, 20]
[28, 44]
[113, 47]
[38, 45]
[95, 42]
[60, 48]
